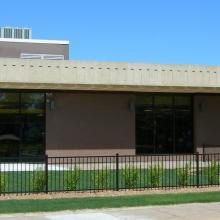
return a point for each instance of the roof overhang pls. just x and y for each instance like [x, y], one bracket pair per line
[37, 41]
[107, 76]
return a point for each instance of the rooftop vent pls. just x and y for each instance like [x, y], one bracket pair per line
[15, 33]
[41, 56]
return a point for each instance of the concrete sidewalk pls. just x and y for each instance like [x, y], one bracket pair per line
[206, 211]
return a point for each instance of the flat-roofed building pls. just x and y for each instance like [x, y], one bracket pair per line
[18, 43]
[62, 107]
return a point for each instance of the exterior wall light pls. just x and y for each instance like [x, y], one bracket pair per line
[50, 101]
[201, 107]
[131, 106]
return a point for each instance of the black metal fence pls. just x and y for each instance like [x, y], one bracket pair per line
[101, 173]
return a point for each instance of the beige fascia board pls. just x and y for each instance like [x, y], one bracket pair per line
[37, 41]
[107, 76]
[138, 89]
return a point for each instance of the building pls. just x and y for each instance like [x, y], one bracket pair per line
[49, 104]
[17, 43]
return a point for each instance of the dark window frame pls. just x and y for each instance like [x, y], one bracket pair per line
[174, 109]
[20, 120]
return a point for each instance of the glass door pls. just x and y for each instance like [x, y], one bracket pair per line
[144, 125]
[164, 124]
[164, 131]
[163, 105]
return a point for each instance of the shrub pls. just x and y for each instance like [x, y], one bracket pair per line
[212, 173]
[2, 182]
[73, 179]
[130, 175]
[183, 174]
[100, 179]
[39, 180]
[153, 176]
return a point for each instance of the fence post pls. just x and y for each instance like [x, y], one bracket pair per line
[203, 152]
[117, 171]
[46, 173]
[197, 169]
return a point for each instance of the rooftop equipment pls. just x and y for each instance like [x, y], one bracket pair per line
[15, 33]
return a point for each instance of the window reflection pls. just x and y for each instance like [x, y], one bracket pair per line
[163, 124]
[22, 124]
[9, 103]
[182, 102]
[163, 101]
[32, 103]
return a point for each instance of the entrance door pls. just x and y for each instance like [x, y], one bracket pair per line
[163, 135]
[164, 124]
[145, 125]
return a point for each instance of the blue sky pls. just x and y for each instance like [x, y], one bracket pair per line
[150, 31]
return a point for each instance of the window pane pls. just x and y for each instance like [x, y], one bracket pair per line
[21, 124]
[32, 109]
[9, 139]
[144, 124]
[183, 131]
[9, 124]
[144, 100]
[33, 139]
[144, 132]
[164, 131]
[163, 101]
[182, 101]
[9, 103]
[32, 103]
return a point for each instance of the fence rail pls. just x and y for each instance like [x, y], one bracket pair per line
[101, 173]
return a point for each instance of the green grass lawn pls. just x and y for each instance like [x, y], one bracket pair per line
[22, 206]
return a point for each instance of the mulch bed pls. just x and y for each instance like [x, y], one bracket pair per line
[61, 195]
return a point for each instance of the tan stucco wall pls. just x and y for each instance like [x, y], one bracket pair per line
[206, 121]
[90, 124]
[14, 49]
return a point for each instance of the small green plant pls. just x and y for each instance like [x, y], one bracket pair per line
[153, 176]
[101, 179]
[131, 176]
[212, 172]
[39, 180]
[2, 182]
[73, 179]
[183, 174]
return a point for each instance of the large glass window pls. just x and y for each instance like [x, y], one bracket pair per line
[22, 124]
[144, 124]
[183, 124]
[164, 124]
[32, 113]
